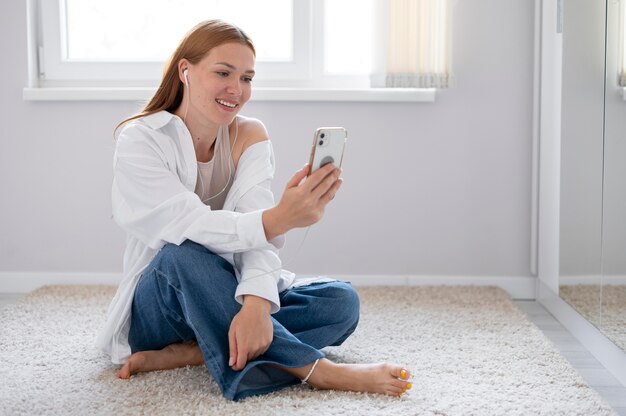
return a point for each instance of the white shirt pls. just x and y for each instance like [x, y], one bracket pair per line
[155, 173]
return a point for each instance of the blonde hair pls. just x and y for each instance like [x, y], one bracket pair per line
[194, 46]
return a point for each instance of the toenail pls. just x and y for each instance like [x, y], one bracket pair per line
[403, 373]
[409, 385]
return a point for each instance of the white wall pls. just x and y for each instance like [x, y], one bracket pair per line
[437, 188]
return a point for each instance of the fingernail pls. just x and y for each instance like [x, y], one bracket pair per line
[231, 362]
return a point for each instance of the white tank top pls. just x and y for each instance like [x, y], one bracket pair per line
[215, 176]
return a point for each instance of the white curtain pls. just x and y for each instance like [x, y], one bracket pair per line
[414, 44]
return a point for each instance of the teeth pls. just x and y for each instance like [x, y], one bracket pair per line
[227, 104]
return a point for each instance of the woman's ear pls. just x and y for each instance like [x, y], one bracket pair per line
[183, 71]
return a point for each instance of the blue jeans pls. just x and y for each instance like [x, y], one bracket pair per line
[187, 294]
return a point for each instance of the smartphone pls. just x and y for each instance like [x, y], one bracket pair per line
[328, 146]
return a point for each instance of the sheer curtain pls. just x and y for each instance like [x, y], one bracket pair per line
[413, 49]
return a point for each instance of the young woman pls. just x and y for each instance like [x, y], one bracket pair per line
[202, 278]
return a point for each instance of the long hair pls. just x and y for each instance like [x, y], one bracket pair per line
[194, 46]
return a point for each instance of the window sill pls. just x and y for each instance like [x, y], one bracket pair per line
[258, 94]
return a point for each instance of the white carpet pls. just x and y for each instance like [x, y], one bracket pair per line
[471, 350]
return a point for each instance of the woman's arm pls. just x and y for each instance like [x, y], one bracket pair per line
[303, 201]
[151, 203]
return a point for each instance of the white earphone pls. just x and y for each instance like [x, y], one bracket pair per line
[230, 177]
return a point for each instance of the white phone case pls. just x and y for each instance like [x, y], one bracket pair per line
[328, 146]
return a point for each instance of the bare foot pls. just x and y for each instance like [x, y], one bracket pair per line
[372, 378]
[172, 356]
[380, 378]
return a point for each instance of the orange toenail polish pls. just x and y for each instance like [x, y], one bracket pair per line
[409, 385]
[403, 373]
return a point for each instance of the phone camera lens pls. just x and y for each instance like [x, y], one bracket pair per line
[321, 142]
[322, 135]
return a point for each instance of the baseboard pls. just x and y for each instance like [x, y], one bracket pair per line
[24, 282]
[603, 349]
[517, 287]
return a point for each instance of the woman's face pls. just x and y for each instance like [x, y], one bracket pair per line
[220, 84]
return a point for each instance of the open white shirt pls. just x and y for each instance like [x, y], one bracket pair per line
[155, 172]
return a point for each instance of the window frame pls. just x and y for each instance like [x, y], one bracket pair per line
[55, 71]
[50, 79]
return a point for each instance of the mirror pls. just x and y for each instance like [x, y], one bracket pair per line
[593, 174]
[613, 299]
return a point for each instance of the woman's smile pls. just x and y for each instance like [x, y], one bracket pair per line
[230, 105]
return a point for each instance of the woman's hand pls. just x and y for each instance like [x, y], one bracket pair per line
[251, 332]
[304, 200]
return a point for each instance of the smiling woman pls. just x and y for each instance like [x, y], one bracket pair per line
[217, 87]
[203, 282]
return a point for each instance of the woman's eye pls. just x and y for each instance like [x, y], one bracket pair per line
[247, 79]
[222, 74]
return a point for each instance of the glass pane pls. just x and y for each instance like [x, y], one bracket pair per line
[149, 30]
[348, 36]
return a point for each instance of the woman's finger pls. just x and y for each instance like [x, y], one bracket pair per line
[298, 177]
[232, 345]
[318, 177]
[242, 359]
[330, 195]
[326, 185]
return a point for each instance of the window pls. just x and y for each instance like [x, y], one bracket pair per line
[304, 44]
[118, 42]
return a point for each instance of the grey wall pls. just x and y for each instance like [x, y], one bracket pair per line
[437, 188]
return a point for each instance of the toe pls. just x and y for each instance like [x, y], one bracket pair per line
[401, 373]
[394, 391]
[124, 372]
[401, 384]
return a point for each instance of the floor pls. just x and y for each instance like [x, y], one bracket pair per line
[589, 368]
[581, 359]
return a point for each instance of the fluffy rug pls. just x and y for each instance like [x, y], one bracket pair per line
[472, 352]
[604, 306]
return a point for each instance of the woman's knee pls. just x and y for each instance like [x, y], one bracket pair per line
[355, 302]
[191, 261]
[348, 302]
[349, 311]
